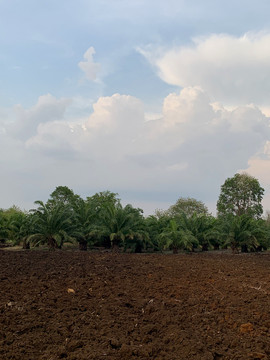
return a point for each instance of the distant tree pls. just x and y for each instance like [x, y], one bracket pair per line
[20, 228]
[52, 225]
[104, 198]
[63, 195]
[203, 228]
[13, 224]
[84, 219]
[100, 202]
[121, 224]
[188, 206]
[245, 233]
[4, 233]
[241, 194]
[138, 239]
[155, 225]
[177, 238]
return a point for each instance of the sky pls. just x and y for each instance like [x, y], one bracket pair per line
[153, 100]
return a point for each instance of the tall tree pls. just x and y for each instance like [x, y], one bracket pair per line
[241, 194]
[188, 206]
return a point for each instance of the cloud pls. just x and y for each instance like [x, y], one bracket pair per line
[188, 151]
[234, 70]
[26, 121]
[89, 67]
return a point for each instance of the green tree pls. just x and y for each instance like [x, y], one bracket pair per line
[188, 206]
[138, 238]
[84, 217]
[103, 199]
[52, 225]
[241, 194]
[177, 238]
[120, 223]
[63, 195]
[4, 234]
[244, 232]
[155, 225]
[100, 202]
[20, 228]
[203, 228]
[13, 224]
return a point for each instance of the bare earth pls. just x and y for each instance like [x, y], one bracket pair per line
[75, 305]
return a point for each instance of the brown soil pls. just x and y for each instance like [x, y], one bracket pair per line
[72, 305]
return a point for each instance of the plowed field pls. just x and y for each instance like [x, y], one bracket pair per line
[76, 305]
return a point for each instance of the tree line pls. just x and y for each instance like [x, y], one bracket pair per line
[102, 221]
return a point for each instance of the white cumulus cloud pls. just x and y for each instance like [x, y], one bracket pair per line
[47, 109]
[188, 151]
[89, 66]
[234, 70]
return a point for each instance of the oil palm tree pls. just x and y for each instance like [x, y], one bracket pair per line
[122, 224]
[243, 232]
[84, 217]
[3, 227]
[52, 225]
[177, 238]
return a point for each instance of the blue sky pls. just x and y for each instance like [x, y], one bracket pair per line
[151, 99]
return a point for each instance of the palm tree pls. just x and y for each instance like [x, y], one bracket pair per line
[84, 217]
[204, 228]
[155, 225]
[244, 232]
[3, 227]
[52, 225]
[121, 224]
[177, 238]
[21, 228]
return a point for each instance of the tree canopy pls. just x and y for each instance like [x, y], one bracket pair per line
[241, 194]
[188, 206]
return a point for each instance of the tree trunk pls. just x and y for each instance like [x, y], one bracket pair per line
[205, 247]
[116, 241]
[83, 245]
[26, 244]
[138, 248]
[115, 247]
[175, 250]
[52, 244]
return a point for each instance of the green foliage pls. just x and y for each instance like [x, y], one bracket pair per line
[203, 228]
[241, 194]
[100, 201]
[102, 220]
[188, 206]
[124, 225]
[155, 225]
[3, 226]
[177, 238]
[52, 225]
[63, 195]
[245, 233]
[84, 221]
[13, 225]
